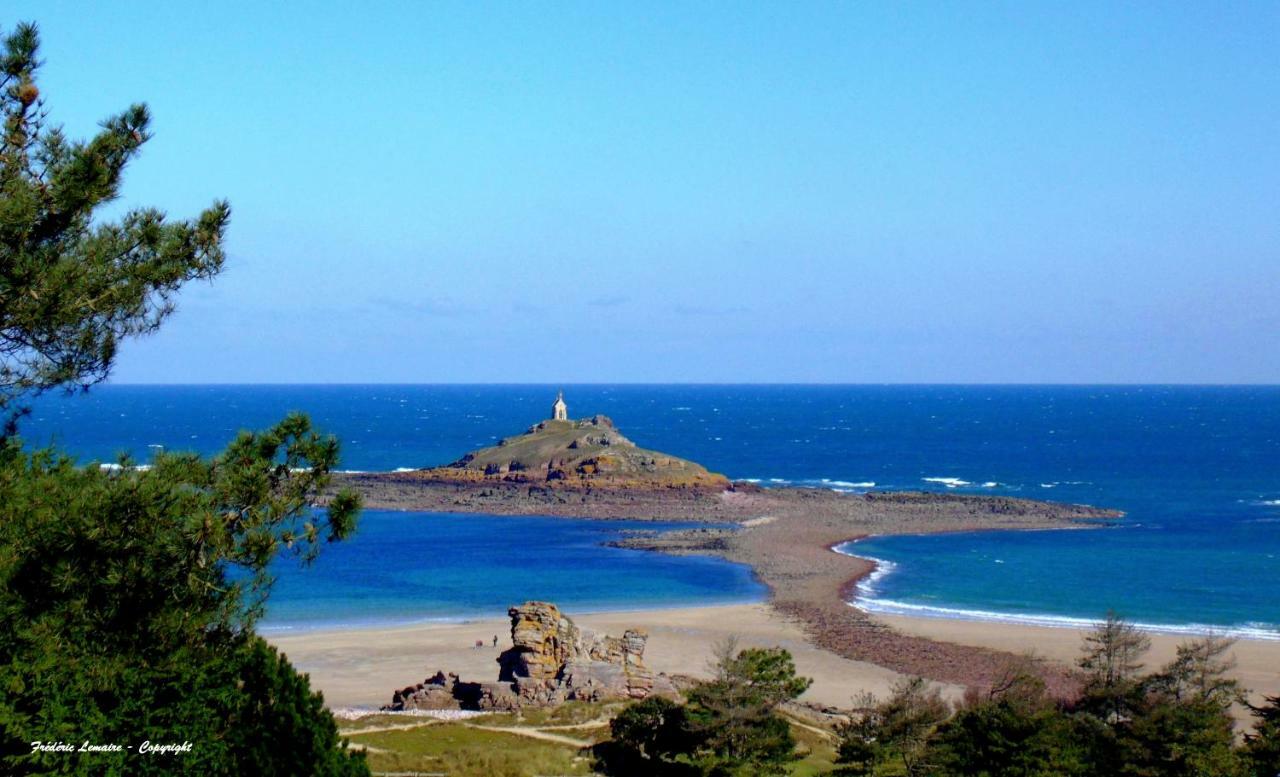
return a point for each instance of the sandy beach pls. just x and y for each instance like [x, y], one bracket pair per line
[361, 668]
[1257, 661]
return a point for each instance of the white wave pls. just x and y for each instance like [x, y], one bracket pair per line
[113, 467]
[948, 482]
[1270, 503]
[1048, 485]
[404, 469]
[891, 607]
[849, 484]
[866, 587]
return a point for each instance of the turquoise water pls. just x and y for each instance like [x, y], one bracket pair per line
[406, 567]
[1196, 468]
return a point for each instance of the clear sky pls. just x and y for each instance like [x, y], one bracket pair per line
[782, 192]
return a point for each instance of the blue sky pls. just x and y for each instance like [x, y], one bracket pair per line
[719, 192]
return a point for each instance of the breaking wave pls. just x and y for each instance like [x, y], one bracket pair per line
[959, 483]
[891, 607]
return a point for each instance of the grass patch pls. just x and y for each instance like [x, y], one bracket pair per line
[455, 749]
[819, 752]
[569, 714]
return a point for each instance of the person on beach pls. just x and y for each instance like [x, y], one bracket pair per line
[495, 640]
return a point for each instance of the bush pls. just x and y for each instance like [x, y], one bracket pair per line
[728, 727]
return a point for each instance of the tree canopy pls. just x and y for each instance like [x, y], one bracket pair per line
[129, 595]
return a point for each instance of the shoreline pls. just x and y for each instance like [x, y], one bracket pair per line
[268, 630]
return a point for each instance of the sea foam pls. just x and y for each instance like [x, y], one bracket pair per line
[948, 482]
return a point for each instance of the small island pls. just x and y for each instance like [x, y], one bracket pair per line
[586, 453]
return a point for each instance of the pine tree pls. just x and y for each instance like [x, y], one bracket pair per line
[128, 597]
[1112, 661]
[1262, 745]
[73, 286]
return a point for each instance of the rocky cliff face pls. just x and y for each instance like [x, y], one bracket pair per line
[588, 452]
[550, 661]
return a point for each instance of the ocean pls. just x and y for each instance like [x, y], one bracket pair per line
[1195, 468]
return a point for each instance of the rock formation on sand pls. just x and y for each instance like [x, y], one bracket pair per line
[589, 452]
[550, 661]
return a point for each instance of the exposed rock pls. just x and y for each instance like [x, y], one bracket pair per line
[550, 661]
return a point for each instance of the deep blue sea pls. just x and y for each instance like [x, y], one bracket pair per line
[1197, 470]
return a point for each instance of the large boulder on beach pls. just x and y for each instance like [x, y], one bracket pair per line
[548, 646]
[542, 641]
[550, 661]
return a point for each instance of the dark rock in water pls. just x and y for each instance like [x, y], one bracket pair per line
[550, 661]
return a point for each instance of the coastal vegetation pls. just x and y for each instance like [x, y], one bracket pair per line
[129, 595]
[1173, 721]
[728, 725]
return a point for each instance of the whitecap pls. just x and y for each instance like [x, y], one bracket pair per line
[948, 482]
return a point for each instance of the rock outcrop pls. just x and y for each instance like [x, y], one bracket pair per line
[550, 661]
[589, 452]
